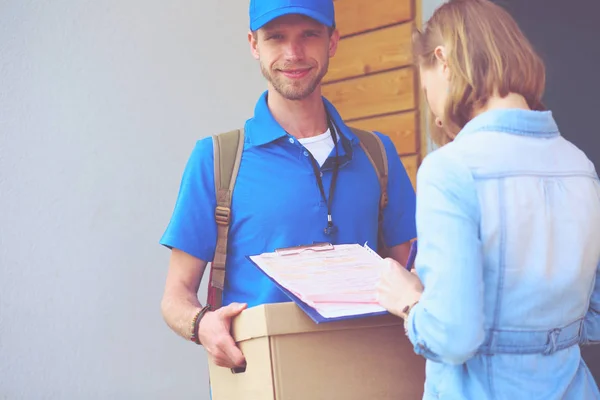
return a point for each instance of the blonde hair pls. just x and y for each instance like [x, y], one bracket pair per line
[486, 53]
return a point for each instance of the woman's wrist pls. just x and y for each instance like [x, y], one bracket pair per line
[405, 311]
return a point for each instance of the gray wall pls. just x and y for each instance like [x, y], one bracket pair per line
[566, 34]
[428, 7]
[101, 103]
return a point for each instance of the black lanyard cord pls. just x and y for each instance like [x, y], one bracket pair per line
[331, 228]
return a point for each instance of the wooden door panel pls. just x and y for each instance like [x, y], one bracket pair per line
[375, 51]
[353, 16]
[371, 95]
[411, 164]
[401, 128]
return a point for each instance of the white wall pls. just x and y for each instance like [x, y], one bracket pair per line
[100, 105]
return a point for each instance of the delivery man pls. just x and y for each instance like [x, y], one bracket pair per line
[303, 178]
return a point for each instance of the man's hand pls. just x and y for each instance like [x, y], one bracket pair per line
[214, 334]
[398, 288]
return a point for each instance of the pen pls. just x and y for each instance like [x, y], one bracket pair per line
[412, 256]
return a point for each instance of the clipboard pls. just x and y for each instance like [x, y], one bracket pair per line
[315, 248]
[290, 251]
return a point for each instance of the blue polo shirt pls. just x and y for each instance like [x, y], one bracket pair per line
[277, 202]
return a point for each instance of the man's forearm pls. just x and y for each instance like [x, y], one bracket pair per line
[179, 311]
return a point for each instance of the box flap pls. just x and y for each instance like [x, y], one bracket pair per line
[287, 318]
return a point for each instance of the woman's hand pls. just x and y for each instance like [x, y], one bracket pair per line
[398, 288]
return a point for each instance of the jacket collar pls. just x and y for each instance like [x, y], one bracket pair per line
[513, 121]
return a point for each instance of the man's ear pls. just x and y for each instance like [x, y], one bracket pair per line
[333, 42]
[253, 41]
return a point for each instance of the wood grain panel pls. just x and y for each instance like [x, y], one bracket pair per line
[411, 164]
[353, 16]
[401, 128]
[372, 52]
[377, 94]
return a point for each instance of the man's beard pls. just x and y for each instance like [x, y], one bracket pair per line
[291, 90]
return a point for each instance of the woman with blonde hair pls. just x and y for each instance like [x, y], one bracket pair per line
[506, 287]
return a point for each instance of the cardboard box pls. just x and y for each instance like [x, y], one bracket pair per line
[289, 357]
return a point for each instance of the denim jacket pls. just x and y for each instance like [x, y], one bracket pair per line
[508, 221]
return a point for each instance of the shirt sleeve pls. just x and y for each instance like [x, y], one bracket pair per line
[399, 215]
[192, 227]
[447, 325]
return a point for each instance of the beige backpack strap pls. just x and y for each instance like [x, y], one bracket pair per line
[375, 150]
[228, 149]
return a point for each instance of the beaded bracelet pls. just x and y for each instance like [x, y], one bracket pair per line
[196, 323]
[405, 313]
[406, 310]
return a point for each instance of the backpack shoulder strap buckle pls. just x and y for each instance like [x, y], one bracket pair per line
[222, 215]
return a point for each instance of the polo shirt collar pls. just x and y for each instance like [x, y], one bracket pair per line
[263, 128]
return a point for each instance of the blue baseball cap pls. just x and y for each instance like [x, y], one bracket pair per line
[265, 11]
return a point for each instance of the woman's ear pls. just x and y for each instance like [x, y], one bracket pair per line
[440, 55]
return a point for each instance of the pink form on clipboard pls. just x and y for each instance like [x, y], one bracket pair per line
[336, 280]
